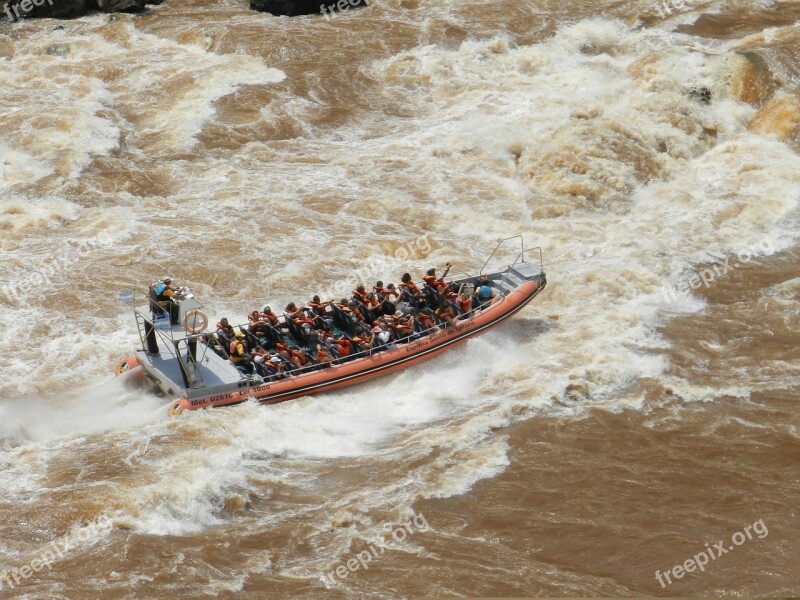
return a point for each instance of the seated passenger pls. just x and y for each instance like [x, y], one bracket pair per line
[360, 294]
[361, 344]
[439, 283]
[382, 333]
[484, 291]
[445, 314]
[403, 326]
[225, 331]
[291, 311]
[344, 346]
[388, 299]
[256, 323]
[464, 299]
[238, 354]
[259, 355]
[425, 319]
[318, 307]
[410, 294]
[298, 358]
[409, 285]
[324, 357]
[274, 368]
[269, 317]
[351, 306]
[282, 350]
[372, 307]
[322, 319]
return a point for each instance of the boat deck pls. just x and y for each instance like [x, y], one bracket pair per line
[214, 371]
[176, 374]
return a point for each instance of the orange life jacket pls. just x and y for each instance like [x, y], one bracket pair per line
[299, 356]
[445, 313]
[426, 320]
[411, 287]
[317, 309]
[404, 328]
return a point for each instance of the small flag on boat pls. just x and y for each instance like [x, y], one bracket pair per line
[125, 297]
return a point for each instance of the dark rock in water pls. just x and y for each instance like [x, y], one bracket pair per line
[57, 50]
[293, 8]
[116, 6]
[15, 10]
[47, 9]
[703, 94]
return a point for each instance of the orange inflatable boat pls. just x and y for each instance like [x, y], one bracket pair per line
[199, 369]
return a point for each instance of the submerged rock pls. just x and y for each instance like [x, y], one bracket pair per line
[702, 94]
[293, 8]
[57, 50]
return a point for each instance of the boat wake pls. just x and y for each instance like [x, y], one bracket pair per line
[104, 407]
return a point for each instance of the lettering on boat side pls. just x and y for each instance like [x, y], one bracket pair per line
[439, 336]
[228, 396]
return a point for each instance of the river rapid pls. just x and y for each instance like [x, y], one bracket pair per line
[642, 409]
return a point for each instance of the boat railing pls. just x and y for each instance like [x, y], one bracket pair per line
[519, 257]
[363, 353]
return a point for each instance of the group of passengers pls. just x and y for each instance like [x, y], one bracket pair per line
[368, 321]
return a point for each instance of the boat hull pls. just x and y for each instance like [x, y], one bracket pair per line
[384, 363]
